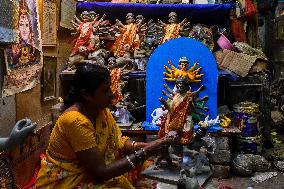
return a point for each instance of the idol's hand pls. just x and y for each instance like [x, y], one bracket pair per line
[20, 132]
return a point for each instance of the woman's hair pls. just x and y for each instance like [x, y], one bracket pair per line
[88, 77]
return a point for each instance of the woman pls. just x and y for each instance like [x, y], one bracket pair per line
[85, 142]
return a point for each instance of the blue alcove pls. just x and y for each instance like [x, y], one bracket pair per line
[172, 50]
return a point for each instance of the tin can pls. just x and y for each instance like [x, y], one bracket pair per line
[246, 118]
[250, 145]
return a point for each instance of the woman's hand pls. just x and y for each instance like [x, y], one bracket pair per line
[155, 147]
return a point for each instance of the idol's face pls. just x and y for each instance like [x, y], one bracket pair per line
[92, 15]
[173, 18]
[183, 65]
[130, 19]
[182, 85]
[24, 27]
[139, 19]
[85, 16]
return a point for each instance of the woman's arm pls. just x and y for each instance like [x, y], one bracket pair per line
[93, 160]
[131, 146]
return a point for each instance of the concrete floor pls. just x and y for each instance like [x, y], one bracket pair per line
[238, 183]
[245, 182]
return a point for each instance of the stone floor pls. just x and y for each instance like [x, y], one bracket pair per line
[237, 183]
[245, 182]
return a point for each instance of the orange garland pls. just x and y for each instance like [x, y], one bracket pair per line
[115, 89]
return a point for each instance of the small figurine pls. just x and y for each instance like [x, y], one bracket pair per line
[86, 30]
[225, 121]
[173, 29]
[154, 35]
[99, 56]
[181, 105]
[141, 57]
[207, 123]
[126, 61]
[188, 179]
[126, 101]
[203, 34]
[123, 115]
[142, 29]
[159, 112]
[127, 36]
[191, 74]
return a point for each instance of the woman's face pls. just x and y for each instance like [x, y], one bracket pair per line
[24, 27]
[102, 96]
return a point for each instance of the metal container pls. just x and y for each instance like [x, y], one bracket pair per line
[246, 118]
[250, 145]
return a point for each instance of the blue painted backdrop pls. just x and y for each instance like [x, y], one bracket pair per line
[173, 50]
[209, 14]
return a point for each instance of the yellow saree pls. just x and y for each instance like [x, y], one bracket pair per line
[74, 132]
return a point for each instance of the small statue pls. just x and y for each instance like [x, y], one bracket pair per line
[86, 29]
[128, 35]
[141, 57]
[191, 74]
[20, 132]
[154, 35]
[126, 61]
[188, 179]
[99, 56]
[203, 34]
[173, 29]
[207, 123]
[126, 101]
[142, 29]
[225, 121]
[123, 115]
[181, 105]
[159, 113]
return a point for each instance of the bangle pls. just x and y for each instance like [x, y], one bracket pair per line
[130, 162]
[144, 152]
[133, 146]
[140, 156]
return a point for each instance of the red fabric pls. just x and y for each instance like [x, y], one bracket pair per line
[237, 28]
[31, 184]
[237, 24]
[84, 40]
[251, 10]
